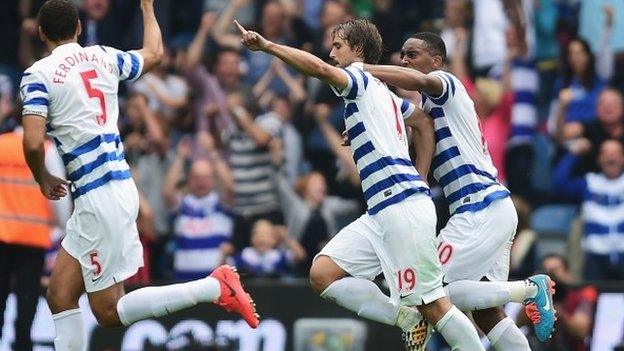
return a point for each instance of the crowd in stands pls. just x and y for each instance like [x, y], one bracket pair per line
[238, 158]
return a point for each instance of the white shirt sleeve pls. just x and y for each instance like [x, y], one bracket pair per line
[448, 88]
[34, 94]
[357, 81]
[129, 63]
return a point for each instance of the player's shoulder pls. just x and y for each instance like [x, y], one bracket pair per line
[358, 74]
[451, 87]
[38, 67]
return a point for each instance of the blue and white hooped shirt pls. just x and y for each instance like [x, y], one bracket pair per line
[461, 165]
[374, 122]
[75, 90]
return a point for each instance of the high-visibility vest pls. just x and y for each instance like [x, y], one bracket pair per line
[25, 214]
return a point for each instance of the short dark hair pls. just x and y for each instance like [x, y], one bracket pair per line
[362, 35]
[58, 19]
[434, 43]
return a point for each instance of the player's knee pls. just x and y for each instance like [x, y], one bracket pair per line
[60, 299]
[323, 273]
[106, 315]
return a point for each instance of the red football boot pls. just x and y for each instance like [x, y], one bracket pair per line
[233, 297]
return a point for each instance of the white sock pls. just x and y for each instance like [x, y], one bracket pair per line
[458, 331]
[362, 297]
[470, 295]
[506, 336]
[156, 301]
[70, 331]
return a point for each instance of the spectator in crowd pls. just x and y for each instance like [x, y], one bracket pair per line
[488, 39]
[101, 20]
[602, 195]
[524, 248]
[141, 131]
[591, 17]
[246, 12]
[575, 307]
[274, 25]
[255, 194]
[583, 78]
[261, 91]
[167, 93]
[26, 220]
[347, 171]
[293, 155]
[609, 124]
[456, 14]
[545, 19]
[311, 215]
[211, 85]
[273, 253]
[202, 221]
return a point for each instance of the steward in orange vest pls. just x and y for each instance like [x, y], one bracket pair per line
[25, 214]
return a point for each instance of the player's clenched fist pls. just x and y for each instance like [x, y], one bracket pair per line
[250, 39]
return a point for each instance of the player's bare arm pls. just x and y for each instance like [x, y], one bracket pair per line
[52, 187]
[302, 61]
[407, 78]
[423, 138]
[152, 50]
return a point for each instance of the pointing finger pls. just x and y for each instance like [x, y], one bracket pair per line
[240, 28]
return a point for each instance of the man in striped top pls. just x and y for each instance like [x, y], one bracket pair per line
[255, 193]
[73, 94]
[396, 235]
[475, 243]
[202, 223]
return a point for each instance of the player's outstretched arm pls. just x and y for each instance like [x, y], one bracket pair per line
[407, 78]
[34, 126]
[302, 61]
[424, 140]
[152, 50]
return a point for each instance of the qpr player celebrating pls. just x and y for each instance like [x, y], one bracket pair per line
[396, 235]
[475, 244]
[72, 94]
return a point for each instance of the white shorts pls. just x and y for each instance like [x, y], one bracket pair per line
[102, 234]
[474, 245]
[398, 241]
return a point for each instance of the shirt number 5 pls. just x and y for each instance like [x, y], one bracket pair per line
[95, 93]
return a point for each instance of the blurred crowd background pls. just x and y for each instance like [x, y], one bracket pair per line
[238, 158]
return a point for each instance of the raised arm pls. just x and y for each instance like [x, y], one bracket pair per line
[302, 61]
[295, 86]
[220, 32]
[170, 191]
[222, 170]
[424, 140]
[196, 48]
[407, 78]
[562, 180]
[152, 50]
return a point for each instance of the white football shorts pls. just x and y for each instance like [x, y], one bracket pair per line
[102, 234]
[399, 241]
[474, 245]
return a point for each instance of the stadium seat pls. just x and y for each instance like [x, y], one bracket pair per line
[553, 224]
[544, 152]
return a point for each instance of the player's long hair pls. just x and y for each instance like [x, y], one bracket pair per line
[363, 36]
